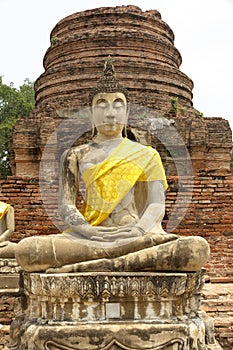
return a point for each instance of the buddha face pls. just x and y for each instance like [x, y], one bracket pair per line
[109, 113]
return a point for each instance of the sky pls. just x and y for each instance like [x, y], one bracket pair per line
[203, 35]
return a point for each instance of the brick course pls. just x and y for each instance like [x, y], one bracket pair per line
[218, 303]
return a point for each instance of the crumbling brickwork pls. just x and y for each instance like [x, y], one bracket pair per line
[209, 215]
[30, 216]
[147, 63]
[218, 303]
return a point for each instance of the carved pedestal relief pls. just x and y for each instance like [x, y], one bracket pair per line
[130, 311]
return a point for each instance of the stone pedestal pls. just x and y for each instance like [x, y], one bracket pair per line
[9, 295]
[109, 311]
[9, 276]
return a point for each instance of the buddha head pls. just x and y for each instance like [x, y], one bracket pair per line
[109, 104]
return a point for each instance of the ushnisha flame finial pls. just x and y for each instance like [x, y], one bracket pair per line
[108, 81]
[109, 69]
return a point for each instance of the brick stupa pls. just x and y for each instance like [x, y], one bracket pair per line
[147, 63]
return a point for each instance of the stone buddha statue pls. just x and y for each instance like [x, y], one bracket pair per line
[7, 227]
[118, 227]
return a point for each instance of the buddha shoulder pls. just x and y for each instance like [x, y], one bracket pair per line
[76, 153]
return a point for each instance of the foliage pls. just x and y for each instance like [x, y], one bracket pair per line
[14, 103]
[54, 40]
[183, 110]
[174, 102]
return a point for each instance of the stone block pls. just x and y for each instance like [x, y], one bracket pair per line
[9, 276]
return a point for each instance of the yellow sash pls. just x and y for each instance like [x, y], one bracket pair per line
[109, 182]
[4, 207]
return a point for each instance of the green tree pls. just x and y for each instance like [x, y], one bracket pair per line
[14, 103]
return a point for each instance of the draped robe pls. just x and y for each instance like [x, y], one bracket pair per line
[109, 181]
[4, 207]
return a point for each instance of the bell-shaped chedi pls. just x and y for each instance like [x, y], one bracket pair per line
[142, 47]
[147, 64]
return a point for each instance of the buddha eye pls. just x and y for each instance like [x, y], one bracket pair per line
[101, 104]
[118, 103]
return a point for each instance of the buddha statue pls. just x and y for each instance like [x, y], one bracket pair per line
[119, 226]
[7, 227]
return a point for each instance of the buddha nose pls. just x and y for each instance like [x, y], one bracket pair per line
[110, 117]
[110, 112]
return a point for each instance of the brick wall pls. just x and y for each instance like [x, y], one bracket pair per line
[31, 217]
[9, 306]
[218, 303]
[208, 215]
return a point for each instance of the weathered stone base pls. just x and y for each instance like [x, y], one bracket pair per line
[9, 295]
[109, 336]
[112, 311]
[9, 276]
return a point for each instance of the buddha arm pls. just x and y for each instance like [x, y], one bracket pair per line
[68, 189]
[10, 225]
[155, 208]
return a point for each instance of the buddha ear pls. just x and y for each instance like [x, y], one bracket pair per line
[127, 113]
[93, 127]
[124, 131]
